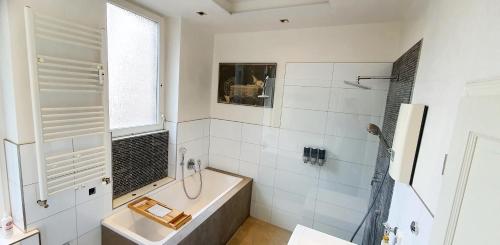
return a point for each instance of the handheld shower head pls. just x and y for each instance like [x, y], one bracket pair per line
[375, 130]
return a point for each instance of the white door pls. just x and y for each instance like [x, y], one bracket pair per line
[469, 208]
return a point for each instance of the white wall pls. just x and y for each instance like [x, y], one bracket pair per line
[353, 43]
[188, 77]
[195, 72]
[4, 76]
[460, 45]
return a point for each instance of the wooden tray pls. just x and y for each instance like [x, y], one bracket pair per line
[174, 219]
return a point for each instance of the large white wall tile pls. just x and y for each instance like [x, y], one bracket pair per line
[288, 221]
[268, 156]
[57, 203]
[248, 169]
[296, 183]
[224, 163]
[263, 194]
[343, 195]
[358, 101]
[90, 214]
[225, 129]
[351, 71]
[16, 204]
[13, 161]
[304, 120]
[250, 153]
[266, 176]
[353, 174]
[92, 237]
[252, 133]
[293, 162]
[351, 125]
[225, 147]
[262, 212]
[295, 140]
[312, 98]
[192, 130]
[309, 74]
[83, 193]
[294, 203]
[352, 150]
[270, 136]
[337, 216]
[28, 164]
[58, 228]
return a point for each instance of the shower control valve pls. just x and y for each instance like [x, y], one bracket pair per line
[191, 164]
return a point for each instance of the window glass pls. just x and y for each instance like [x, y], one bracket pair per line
[133, 66]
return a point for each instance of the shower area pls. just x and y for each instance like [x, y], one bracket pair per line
[321, 106]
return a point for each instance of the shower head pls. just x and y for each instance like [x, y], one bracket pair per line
[357, 84]
[375, 130]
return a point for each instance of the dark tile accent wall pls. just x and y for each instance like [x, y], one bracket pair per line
[400, 91]
[139, 161]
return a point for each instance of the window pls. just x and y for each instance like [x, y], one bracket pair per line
[134, 69]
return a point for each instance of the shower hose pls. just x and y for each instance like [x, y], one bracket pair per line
[372, 204]
[183, 152]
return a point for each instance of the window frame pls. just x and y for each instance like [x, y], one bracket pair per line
[121, 132]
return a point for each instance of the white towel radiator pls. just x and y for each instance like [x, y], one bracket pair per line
[69, 102]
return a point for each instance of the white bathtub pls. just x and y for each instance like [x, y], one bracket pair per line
[141, 230]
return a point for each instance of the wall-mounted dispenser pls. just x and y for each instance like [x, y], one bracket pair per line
[406, 143]
[314, 156]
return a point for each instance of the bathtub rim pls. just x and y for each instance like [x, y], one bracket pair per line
[177, 235]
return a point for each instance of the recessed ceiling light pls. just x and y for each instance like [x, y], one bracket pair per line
[285, 21]
[201, 13]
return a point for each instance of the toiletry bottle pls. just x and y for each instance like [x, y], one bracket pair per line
[7, 224]
[385, 239]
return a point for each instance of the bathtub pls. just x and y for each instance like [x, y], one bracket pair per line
[218, 188]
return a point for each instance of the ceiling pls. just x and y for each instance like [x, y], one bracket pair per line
[262, 15]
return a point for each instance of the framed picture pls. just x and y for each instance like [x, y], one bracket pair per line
[250, 84]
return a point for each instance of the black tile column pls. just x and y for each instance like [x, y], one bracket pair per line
[400, 91]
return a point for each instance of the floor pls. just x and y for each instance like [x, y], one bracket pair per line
[257, 232]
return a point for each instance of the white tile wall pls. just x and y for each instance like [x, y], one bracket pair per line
[320, 111]
[194, 136]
